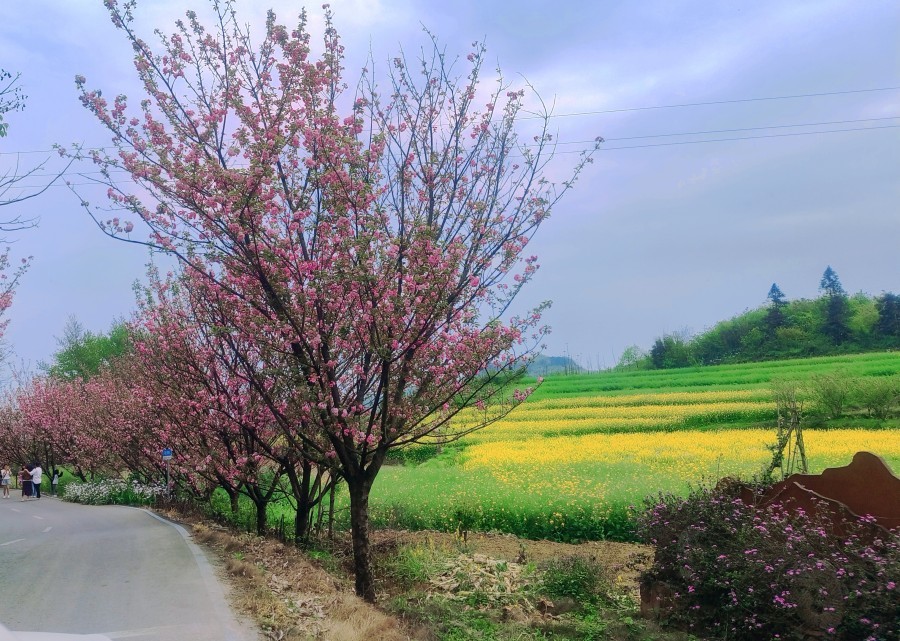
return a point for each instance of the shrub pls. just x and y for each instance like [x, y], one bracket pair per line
[831, 393]
[575, 577]
[738, 572]
[878, 394]
[611, 522]
[112, 492]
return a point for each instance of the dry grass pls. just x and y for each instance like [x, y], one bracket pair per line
[623, 562]
[291, 597]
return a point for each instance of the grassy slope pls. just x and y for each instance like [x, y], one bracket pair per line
[717, 377]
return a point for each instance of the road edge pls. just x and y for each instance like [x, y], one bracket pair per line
[210, 580]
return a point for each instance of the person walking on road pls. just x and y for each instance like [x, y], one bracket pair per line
[5, 476]
[36, 473]
[54, 481]
[25, 482]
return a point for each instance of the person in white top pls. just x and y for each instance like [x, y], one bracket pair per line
[54, 481]
[5, 476]
[36, 480]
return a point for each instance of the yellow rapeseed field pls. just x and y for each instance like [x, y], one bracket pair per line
[576, 461]
[686, 456]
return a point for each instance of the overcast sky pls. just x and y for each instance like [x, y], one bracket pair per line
[658, 236]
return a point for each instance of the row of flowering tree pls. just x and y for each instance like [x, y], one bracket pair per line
[346, 263]
[162, 394]
[91, 426]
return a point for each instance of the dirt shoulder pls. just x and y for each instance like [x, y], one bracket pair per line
[298, 596]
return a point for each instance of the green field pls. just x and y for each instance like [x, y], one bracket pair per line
[574, 461]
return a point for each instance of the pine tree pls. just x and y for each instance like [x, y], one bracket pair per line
[837, 308]
[775, 317]
[831, 284]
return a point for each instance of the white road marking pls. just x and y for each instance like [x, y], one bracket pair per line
[48, 528]
[35, 516]
[11, 542]
[15, 509]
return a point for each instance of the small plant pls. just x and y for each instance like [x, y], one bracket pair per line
[328, 561]
[416, 563]
[592, 627]
[574, 577]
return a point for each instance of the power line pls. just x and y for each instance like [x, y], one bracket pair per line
[712, 102]
[699, 142]
[728, 131]
[575, 151]
[668, 135]
[604, 111]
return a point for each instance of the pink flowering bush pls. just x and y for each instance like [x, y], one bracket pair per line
[730, 570]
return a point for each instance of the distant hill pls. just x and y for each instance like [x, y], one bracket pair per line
[544, 365]
[833, 324]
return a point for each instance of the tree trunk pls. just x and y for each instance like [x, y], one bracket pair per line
[233, 495]
[359, 524]
[300, 490]
[261, 501]
[261, 518]
[331, 512]
[301, 523]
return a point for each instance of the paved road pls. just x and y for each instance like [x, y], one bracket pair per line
[113, 570]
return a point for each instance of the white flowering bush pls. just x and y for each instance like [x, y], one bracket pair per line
[113, 492]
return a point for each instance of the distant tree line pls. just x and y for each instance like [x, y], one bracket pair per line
[833, 323]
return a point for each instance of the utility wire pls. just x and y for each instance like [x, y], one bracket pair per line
[669, 135]
[605, 111]
[711, 102]
[700, 142]
[574, 151]
[728, 131]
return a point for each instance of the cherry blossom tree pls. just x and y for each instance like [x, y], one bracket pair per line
[93, 426]
[366, 247]
[46, 422]
[11, 100]
[215, 420]
[16, 446]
